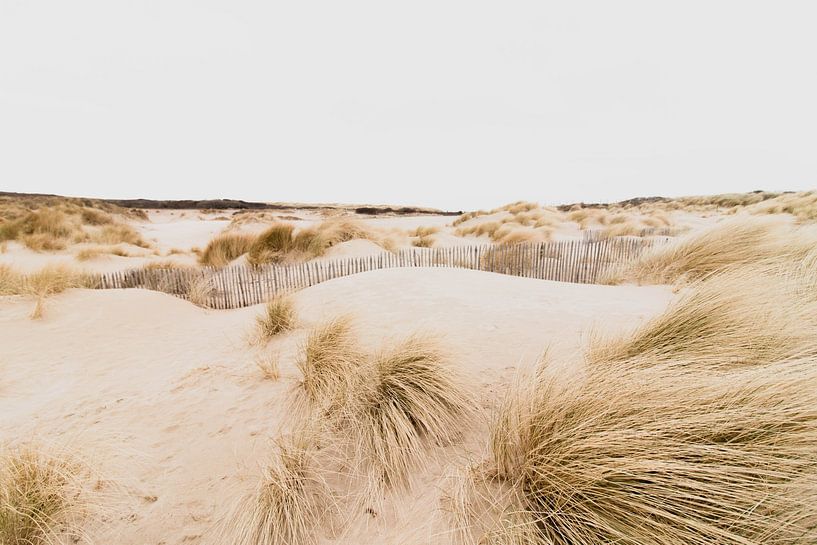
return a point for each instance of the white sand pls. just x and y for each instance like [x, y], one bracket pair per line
[180, 229]
[166, 398]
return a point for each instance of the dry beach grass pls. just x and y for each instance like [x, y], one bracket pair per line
[685, 419]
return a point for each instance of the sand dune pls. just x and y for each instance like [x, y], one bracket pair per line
[167, 399]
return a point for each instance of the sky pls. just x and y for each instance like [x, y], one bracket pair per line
[458, 104]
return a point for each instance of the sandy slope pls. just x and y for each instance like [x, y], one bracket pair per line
[166, 398]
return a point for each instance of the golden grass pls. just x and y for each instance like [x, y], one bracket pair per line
[743, 316]
[200, 290]
[272, 245]
[423, 242]
[278, 316]
[118, 233]
[48, 281]
[330, 357]
[52, 280]
[269, 367]
[183, 280]
[516, 235]
[727, 200]
[314, 241]
[292, 503]
[588, 217]
[405, 400]
[520, 206]
[42, 500]
[469, 216]
[542, 221]
[224, 248]
[385, 411]
[547, 221]
[485, 228]
[656, 220]
[736, 242]
[281, 243]
[42, 242]
[10, 281]
[426, 231]
[93, 252]
[93, 216]
[41, 230]
[696, 428]
[54, 225]
[390, 245]
[46, 222]
[660, 455]
[802, 206]
[625, 229]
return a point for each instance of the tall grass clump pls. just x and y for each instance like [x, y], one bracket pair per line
[660, 456]
[329, 359]
[47, 222]
[480, 229]
[291, 505]
[94, 216]
[423, 242]
[736, 242]
[118, 233]
[40, 230]
[94, 252]
[224, 248]
[55, 227]
[10, 281]
[200, 289]
[510, 235]
[405, 400]
[520, 207]
[424, 231]
[469, 216]
[315, 241]
[48, 281]
[272, 245]
[41, 497]
[741, 316]
[802, 205]
[278, 316]
[281, 242]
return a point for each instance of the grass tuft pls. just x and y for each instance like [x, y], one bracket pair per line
[272, 245]
[292, 503]
[87, 254]
[119, 233]
[278, 316]
[224, 248]
[423, 242]
[48, 281]
[405, 400]
[269, 367]
[41, 497]
[736, 242]
[743, 316]
[330, 357]
[629, 455]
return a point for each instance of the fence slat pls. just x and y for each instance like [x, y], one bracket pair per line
[582, 261]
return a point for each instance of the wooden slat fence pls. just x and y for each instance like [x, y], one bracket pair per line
[235, 286]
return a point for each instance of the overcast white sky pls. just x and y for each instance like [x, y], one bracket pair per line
[453, 103]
